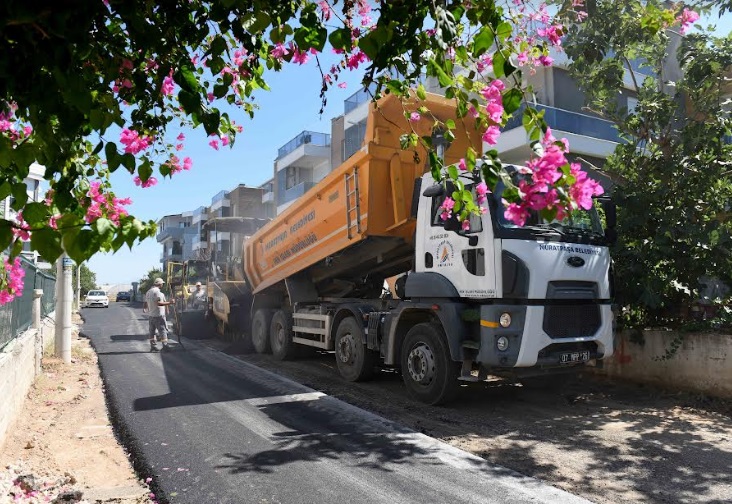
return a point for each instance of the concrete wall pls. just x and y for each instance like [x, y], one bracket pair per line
[703, 362]
[20, 364]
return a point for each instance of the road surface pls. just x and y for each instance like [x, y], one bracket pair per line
[210, 428]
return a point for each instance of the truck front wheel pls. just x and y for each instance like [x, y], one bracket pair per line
[280, 336]
[355, 362]
[260, 331]
[429, 373]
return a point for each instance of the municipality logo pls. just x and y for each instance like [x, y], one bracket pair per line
[445, 254]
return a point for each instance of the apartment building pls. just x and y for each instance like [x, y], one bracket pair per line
[300, 163]
[174, 233]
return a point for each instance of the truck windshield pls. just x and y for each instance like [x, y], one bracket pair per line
[584, 226]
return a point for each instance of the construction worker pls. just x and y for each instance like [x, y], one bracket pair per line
[198, 299]
[155, 304]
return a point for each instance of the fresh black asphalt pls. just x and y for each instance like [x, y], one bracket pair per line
[209, 428]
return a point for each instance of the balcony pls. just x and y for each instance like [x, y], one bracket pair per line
[173, 233]
[304, 138]
[571, 122]
[294, 192]
[587, 135]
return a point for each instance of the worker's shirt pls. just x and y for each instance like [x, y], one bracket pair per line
[153, 297]
[199, 298]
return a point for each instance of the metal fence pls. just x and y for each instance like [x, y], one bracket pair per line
[17, 316]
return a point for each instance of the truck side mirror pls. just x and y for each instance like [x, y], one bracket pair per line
[434, 191]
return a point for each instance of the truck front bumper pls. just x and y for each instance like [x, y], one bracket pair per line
[528, 344]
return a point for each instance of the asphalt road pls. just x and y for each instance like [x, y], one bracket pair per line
[210, 428]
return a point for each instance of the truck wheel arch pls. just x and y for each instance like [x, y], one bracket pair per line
[356, 311]
[447, 318]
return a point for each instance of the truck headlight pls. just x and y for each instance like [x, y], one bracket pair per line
[502, 343]
[505, 319]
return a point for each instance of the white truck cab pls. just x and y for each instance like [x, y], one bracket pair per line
[534, 296]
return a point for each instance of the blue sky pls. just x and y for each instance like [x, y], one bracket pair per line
[291, 106]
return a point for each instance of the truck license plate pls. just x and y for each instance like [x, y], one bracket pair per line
[572, 357]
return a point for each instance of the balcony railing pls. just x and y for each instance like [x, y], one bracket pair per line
[294, 192]
[358, 98]
[571, 122]
[306, 137]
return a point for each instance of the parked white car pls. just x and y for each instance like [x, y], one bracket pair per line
[96, 298]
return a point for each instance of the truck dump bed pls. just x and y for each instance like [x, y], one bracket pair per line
[358, 220]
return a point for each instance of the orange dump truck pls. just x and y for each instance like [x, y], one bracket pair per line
[465, 300]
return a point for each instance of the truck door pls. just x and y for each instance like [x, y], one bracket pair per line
[466, 259]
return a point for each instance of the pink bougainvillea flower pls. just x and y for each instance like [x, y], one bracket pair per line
[686, 19]
[466, 225]
[148, 183]
[225, 140]
[515, 213]
[325, 10]
[187, 163]
[415, 117]
[279, 51]
[491, 135]
[462, 165]
[133, 142]
[342, 85]
[168, 85]
[214, 143]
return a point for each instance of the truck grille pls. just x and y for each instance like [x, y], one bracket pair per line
[571, 321]
[568, 320]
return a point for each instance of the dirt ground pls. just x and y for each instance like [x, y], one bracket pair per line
[608, 442]
[63, 443]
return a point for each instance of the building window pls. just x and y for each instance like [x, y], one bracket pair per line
[291, 180]
[632, 104]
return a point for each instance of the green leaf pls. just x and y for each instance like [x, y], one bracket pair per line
[512, 100]
[450, 124]
[421, 94]
[483, 40]
[257, 22]
[112, 156]
[21, 196]
[453, 172]
[5, 189]
[6, 234]
[47, 242]
[186, 79]
[80, 245]
[145, 170]
[104, 227]
[499, 61]
[436, 70]
[341, 39]
[35, 213]
[503, 31]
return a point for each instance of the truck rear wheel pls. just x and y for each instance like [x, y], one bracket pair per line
[260, 331]
[429, 373]
[355, 362]
[280, 336]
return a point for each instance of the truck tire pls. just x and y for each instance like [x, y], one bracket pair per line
[260, 331]
[355, 362]
[280, 336]
[429, 373]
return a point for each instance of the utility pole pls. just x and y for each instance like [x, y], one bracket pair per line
[78, 288]
[64, 298]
